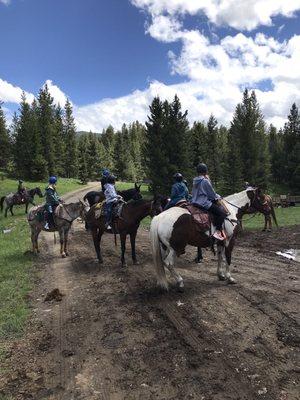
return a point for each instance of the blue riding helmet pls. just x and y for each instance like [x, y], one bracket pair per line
[105, 172]
[52, 180]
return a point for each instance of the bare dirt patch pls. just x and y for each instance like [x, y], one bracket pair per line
[114, 336]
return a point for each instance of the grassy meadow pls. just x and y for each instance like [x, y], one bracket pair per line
[15, 262]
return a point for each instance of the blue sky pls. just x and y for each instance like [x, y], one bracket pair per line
[110, 57]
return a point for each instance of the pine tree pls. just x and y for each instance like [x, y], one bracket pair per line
[291, 139]
[199, 145]
[124, 167]
[82, 159]
[59, 142]
[38, 165]
[154, 150]
[69, 130]
[248, 133]
[23, 139]
[212, 160]
[46, 122]
[5, 142]
[108, 138]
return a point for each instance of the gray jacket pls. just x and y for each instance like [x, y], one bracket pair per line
[203, 193]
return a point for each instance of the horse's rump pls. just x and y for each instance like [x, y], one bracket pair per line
[200, 218]
[37, 213]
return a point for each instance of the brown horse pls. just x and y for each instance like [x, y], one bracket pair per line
[264, 205]
[127, 224]
[13, 199]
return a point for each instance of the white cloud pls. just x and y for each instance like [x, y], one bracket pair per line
[6, 2]
[57, 94]
[238, 14]
[11, 93]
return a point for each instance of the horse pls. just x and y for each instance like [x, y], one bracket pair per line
[174, 229]
[64, 215]
[94, 197]
[264, 204]
[13, 199]
[127, 224]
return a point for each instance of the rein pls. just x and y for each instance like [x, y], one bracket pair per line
[233, 205]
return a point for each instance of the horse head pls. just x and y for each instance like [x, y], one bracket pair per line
[158, 204]
[38, 192]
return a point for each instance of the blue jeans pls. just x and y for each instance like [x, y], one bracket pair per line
[108, 212]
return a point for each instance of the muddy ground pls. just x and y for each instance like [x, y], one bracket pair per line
[107, 333]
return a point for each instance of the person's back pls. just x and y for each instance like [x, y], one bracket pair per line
[111, 197]
[204, 196]
[104, 179]
[179, 191]
[52, 201]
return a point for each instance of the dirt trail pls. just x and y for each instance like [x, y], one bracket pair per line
[113, 336]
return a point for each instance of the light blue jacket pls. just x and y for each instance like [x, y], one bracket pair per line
[203, 193]
[110, 193]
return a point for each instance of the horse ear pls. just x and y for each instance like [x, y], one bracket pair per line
[135, 186]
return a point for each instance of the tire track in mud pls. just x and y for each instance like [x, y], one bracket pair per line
[63, 384]
[205, 343]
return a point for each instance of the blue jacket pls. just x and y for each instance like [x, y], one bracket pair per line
[203, 193]
[179, 192]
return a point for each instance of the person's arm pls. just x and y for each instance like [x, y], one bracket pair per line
[174, 191]
[211, 194]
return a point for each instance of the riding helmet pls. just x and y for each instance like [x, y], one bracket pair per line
[202, 168]
[111, 179]
[105, 172]
[52, 180]
[178, 177]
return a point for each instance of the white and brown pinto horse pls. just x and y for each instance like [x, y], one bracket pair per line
[172, 230]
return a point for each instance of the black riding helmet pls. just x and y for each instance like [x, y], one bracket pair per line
[178, 177]
[202, 168]
[111, 179]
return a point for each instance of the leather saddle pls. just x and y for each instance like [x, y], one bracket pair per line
[201, 218]
[100, 209]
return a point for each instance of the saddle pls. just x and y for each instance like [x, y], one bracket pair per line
[202, 219]
[116, 210]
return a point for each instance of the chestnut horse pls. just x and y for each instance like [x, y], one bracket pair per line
[128, 224]
[174, 229]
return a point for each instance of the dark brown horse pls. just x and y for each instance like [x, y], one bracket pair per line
[94, 197]
[128, 224]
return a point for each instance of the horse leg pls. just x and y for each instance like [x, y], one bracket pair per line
[11, 210]
[266, 221]
[132, 242]
[123, 248]
[66, 235]
[62, 240]
[97, 238]
[5, 214]
[199, 257]
[34, 239]
[270, 223]
[170, 264]
[220, 272]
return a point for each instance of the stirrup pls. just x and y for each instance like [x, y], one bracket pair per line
[218, 236]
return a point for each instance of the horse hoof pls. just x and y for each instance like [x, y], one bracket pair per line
[135, 262]
[180, 289]
[100, 261]
[221, 277]
[63, 255]
[231, 281]
[124, 265]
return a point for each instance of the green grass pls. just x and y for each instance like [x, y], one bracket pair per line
[285, 217]
[15, 263]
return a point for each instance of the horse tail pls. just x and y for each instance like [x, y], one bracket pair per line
[1, 203]
[157, 256]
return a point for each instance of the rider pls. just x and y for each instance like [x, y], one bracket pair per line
[179, 191]
[52, 201]
[204, 196]
[105, 175]
[21, 190]
[111, 197]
